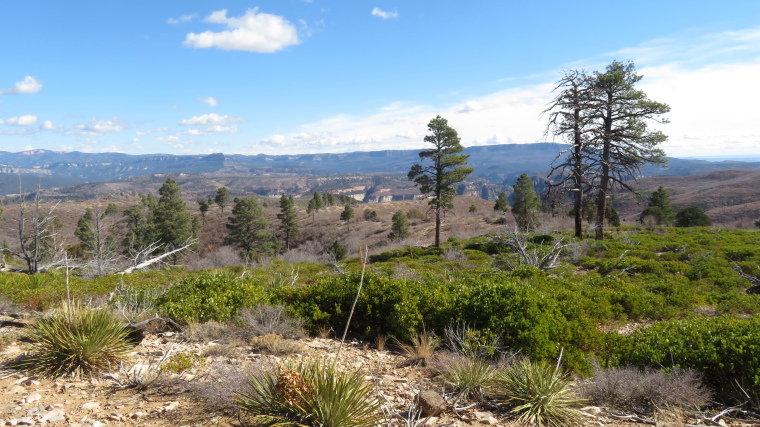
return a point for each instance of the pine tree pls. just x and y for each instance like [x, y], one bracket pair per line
[248, 230]
[399, 226]
[85, 234]
[203, 207]
[447, 169]
[346, 215]
[525, 203]
[221, 198]
[288, 219]
[502, 203]
[659, 208]
[171, 224]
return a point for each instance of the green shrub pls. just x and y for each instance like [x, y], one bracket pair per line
[723, 349]
[180, 362]
[77, 340]
[310, 394]
[214, 295]
[468, 376]
[539, 392]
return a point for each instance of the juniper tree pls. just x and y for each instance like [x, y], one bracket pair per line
[84, 233]
[221, 198]
[399, 226]
[203, 207]
[502, 203]
[659, 208]
[525, 203]
[447, 169]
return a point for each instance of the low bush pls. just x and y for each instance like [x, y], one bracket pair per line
[215, 295]
[180, 362]
[467, 376]
[310, 394]
[420, 348]
[275, 344]
[725, 350]
[267, 319]
[77, 340]
[645, 390]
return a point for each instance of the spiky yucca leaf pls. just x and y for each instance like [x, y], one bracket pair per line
[77, 341]
[468, 376]
[540, 392]
[310, 394]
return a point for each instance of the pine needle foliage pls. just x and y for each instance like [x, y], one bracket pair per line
[310, 394]
[77, 341]
[539, 392]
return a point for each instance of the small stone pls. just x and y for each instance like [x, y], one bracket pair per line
[25, 421]
[56, 419]
[592, 410]
[33, 397]
[138, 414]
[91, 406]
[16, 389]
[97, 424]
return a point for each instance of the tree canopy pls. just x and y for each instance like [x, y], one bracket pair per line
[248, 230]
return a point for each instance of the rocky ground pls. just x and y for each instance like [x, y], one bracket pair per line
[135, 395]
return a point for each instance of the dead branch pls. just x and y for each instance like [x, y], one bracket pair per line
[152, 247]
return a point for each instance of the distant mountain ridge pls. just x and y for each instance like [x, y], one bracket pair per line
[500, 164]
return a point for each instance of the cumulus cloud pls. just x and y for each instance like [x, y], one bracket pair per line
[100, 127]
[383, 14]
[252, 32]
[24, 120]
[211, 101]
[26, 86]
[211, 119]
[183, 18]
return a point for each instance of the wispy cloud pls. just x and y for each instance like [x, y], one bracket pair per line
[183, 18]
[97, 127]
[211, 101]
[24, 120]
[383, 14]
[26, 86]
[210, 120]
[252, 32]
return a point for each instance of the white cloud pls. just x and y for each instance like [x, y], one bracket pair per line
[383, 14]
[471, 106]
[183, 18]
[210, 120]
[24, 120]
[150, 131]
[210, 101]
[26, 86]
[170, 138]
[100, 127]
[252, 32]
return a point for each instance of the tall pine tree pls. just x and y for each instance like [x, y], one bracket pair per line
[288, 219]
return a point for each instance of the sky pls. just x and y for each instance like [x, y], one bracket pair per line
[311, 76]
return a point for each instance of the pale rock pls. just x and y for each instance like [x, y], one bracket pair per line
[592, 410]
[21, 380]
[138, 414]
[91, 406]
[97, 424]
[33, 397]
[16, 389]
[26, 421]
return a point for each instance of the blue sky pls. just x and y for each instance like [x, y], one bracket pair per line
[296, 76]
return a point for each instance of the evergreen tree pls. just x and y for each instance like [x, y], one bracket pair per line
[399, 226]
[83, 232]
[622, 142]
[659, 208]
[317, 201]
[502, 203]
[203, 206]
[221, 198]
[525, 203]
[692, 216]
[447, 169]
[171, 224]
[346, 215]
[288, 219]
[330, 200]
[248, 230]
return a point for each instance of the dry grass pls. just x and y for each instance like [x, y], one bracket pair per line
[266, 319]
[275, 344]
[420, 348]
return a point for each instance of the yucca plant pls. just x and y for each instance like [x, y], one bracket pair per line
[77, 341]
[310, 394]
[539, 392]
[466, 375]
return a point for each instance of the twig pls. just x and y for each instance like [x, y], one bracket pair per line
[362, 256]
